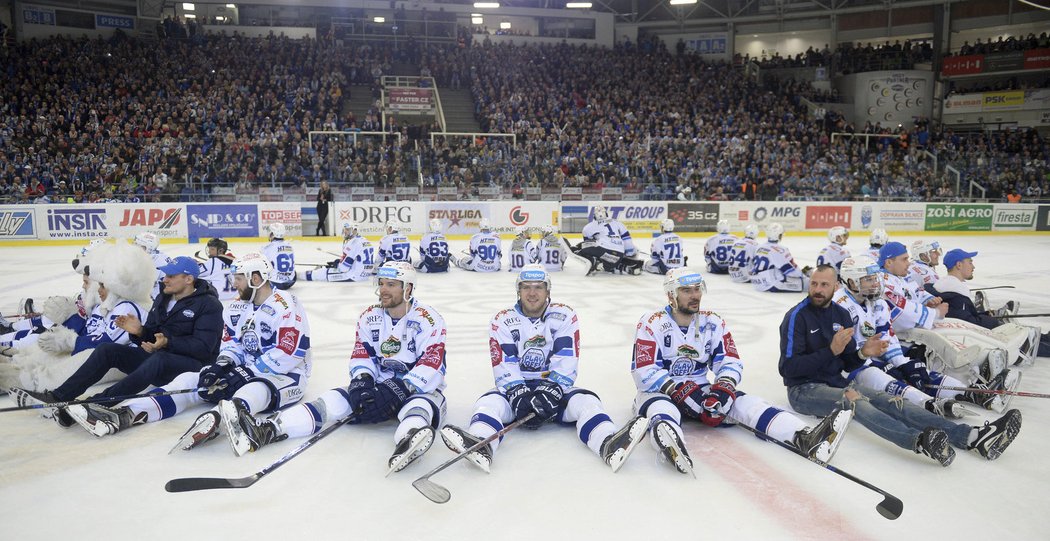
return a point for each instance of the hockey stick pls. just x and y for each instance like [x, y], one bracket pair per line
[1023, 315]
[890, 507]
[189, 484]
[992, 287]
[439, 494]
[990, 391]
[314, 265]
[217, 387]
[322, 250]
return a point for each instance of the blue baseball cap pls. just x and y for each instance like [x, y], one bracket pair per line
[955, 256]
[890, 250]
[181, 265]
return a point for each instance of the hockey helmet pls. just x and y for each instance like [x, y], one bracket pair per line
[774, 232]
[667, 226]
[722, 227]
[838, 235]
[147, 240]
[862, 277]
[927, 251]
[401, 271]
[278, 230]
[878, 237]
[751, 231]
[683, 277]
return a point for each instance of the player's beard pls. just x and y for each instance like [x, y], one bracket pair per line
[391, 302]
[686, 310]
[819, 300]
[245, 295]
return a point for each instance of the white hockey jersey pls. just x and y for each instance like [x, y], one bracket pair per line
[717, 252]
[922, 274]
[907, 304]
[485, 252]
[522, 252]
[663, 350]
[394, 247]
[740, 257]
[271, 338]
[667, 249]
[433, 253]
[772, 257]
[871, 318]
[550, 252]
[216, 270]
[101, 326]
[282, 259]
[611, 235]
[873, 252]
[523, 349]
[358, 262]
[411, 348]
[159, 260]
[833, 254]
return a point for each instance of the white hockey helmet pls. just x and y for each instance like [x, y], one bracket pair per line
[838, 234]
[667, 226]
[484, 224]
[601, 214]
[278, 230]
[350, 230]
[521, 230]
[147, 240]
[435, 225]
[683, 277]
[862, 277]
[751, 231]
[251, 263]
[402, 271]
[878, 237]
[533, 272]
[549, 230]
[774, 232]
[927, 251]
[722, 227]
[392, 227]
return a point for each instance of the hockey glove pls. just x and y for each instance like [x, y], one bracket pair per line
[362, 390]
[332, 264]
[687, 395]
[519, 397]
[215, 374]
[717, 402]
[546, 402]
[390, 395]
[915, 373]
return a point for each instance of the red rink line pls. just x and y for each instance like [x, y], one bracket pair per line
[802, 514]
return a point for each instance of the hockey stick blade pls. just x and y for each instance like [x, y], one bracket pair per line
[890, 507]
[433, 491]
[987, 391]
[54, 405]
[190, 484]
[439, 494]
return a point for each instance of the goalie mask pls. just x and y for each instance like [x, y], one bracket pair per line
[862, 277]
[601, 214]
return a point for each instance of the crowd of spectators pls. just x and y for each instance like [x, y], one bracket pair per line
[88, 120]
[1002, 45]
[853, 58]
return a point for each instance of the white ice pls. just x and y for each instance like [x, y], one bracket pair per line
[546, 485]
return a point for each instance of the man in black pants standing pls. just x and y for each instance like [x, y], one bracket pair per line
[181, 334]
[324, 198]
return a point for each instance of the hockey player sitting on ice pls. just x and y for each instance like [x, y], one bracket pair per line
[925, 256]
[535, 353]
[397, 370]
[394, 246]
[71, 312]
[485, 251]
[833, 254]
[281, 256]
[676, 347]
[119, 280]
[263, 365]
[181, 333]
[861, 294]
[216, 269]
[666, 251]
[433, 250]
[876, 241]
[741, 255]
[149, 242]
[717, 250]
[550, 251]
[522, 249]
[606, 242]
[972, 331]
[910, 306]
[773, 268]
[818, 346]
[356, 265]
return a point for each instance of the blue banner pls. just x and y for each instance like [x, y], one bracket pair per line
[223, 221]
[17, 224]
[114, 21]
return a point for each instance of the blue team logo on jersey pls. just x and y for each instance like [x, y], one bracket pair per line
[516, 335]
[91, 327]
[375, 335]
[394, 366]
[533, 360]
[265, 329]
[667, 341]
[234, 318]
[250, 341]
[681, 366]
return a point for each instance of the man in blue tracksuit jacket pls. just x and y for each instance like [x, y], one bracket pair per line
[181, 334]
[817, 347]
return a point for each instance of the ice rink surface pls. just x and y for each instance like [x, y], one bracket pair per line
[61, 484]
